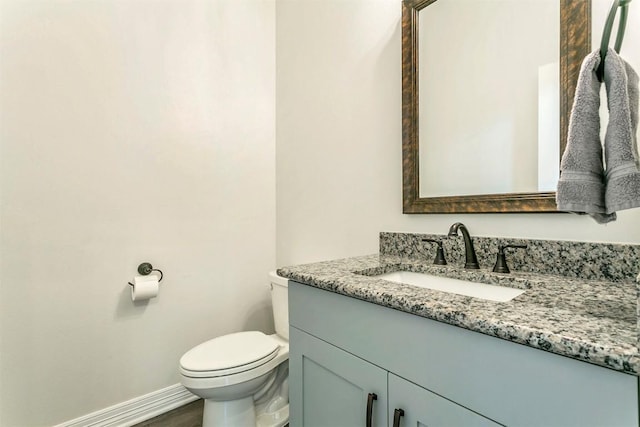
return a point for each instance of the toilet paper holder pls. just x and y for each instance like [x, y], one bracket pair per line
[145, 269]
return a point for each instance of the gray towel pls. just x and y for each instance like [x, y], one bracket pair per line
[620, 144]
[581, 186]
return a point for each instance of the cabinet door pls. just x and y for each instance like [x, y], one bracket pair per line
[424, 408]
[329, 387]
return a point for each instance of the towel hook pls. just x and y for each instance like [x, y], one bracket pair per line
[606, 34]
[145, 269]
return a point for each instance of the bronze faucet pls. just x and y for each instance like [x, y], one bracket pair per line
[471, 261]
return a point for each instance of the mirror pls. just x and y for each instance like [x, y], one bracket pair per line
[511, 142]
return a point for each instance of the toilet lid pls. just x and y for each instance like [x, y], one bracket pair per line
[229, 354]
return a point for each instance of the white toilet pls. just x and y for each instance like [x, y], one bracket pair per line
[243, 377]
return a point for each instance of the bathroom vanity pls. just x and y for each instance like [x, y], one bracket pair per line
[367, 351]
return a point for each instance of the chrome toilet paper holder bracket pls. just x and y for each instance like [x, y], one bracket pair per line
[145, 269]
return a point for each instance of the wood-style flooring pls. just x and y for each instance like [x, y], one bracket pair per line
[189, 415]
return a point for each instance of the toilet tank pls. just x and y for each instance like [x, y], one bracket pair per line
[279, 299]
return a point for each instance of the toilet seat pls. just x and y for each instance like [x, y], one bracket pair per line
[192, 382]
[228, 355]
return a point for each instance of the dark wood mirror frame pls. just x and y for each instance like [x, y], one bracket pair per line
[575, 42]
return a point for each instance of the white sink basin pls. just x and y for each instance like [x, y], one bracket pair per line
[455, 286]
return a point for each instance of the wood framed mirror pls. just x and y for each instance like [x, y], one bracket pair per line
[574, 44]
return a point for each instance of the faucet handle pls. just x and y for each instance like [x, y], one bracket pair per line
[439, 259]
[501, 261]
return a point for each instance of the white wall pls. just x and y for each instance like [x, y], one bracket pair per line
[339, 165]
[130, 131]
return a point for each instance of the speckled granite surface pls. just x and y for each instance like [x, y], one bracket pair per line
[583, 260]
[595, 321]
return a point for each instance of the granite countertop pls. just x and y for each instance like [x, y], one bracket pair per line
[590, 320]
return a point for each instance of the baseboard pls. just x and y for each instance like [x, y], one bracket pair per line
[136, 410]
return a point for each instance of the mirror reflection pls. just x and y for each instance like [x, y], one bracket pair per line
[489, 81]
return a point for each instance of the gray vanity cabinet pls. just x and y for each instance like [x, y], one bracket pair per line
[342, 349]
[336, 386]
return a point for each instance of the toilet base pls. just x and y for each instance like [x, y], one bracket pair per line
[242, 412]
[232, 413]
[278, 418]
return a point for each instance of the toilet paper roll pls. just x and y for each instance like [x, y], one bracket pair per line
[144, 288]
